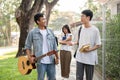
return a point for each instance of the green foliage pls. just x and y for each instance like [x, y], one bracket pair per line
[50, 1]
[58, 23]
[113, 48]
[62, 18]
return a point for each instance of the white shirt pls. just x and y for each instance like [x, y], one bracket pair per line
[66, 47]
[46, 59]
[90, 36]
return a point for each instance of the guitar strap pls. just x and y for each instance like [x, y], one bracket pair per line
[54, 36]
[79, 33]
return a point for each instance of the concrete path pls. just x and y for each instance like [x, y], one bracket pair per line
[4, 50]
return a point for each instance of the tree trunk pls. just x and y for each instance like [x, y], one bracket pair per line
[49, 6]
[24, 17]
[23, 34]
[48, 11]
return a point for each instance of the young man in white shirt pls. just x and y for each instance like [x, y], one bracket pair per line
[87, 57]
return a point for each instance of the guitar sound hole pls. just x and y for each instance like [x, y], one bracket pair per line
[23, 65]
[28, 63]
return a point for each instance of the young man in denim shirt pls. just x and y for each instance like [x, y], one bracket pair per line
[43, 40]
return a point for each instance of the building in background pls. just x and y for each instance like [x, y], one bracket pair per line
[114, 6]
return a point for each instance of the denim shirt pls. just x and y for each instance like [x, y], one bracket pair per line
[35, 39]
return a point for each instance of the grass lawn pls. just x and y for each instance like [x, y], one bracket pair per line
[9, 69]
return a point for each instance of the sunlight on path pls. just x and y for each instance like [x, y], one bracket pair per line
[6, 56]
[4, 52]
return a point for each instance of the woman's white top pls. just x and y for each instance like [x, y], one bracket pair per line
[66, 47]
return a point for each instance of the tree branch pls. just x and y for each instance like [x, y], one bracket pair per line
[54, 2]
[50, 4]
[37, 6]
[22, 9]
[26, 5]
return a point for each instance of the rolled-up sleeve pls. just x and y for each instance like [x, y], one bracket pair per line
[98, 39]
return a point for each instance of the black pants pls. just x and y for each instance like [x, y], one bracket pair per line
[89, 69]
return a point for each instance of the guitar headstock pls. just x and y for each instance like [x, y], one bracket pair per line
[51, 52]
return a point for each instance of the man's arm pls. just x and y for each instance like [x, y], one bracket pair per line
[92, 49]
[72, 43]
[28, 45]
[63, 42]
[30, 57]
[95, 47]
[28, 52]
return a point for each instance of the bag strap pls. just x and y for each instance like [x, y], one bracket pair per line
[78, 40]
[54, 36]
[79, 33]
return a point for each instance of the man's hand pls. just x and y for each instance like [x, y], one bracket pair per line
[56, 61]
[86, 50]
[71, 43]
[91, 49]
[31, 59]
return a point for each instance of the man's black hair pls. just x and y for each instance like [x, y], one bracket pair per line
[88, 13]
[37, 17]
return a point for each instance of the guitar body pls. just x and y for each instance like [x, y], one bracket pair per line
[24, 66]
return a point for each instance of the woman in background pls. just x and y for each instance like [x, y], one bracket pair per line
[65, 52]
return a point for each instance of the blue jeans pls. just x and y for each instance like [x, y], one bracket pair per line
[48, 69]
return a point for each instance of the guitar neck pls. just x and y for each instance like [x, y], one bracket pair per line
[49, 53]
[40, 57]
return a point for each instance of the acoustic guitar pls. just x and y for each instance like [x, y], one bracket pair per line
[25, 67]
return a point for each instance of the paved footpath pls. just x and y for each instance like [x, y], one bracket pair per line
[4, 50]
[72, 72]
